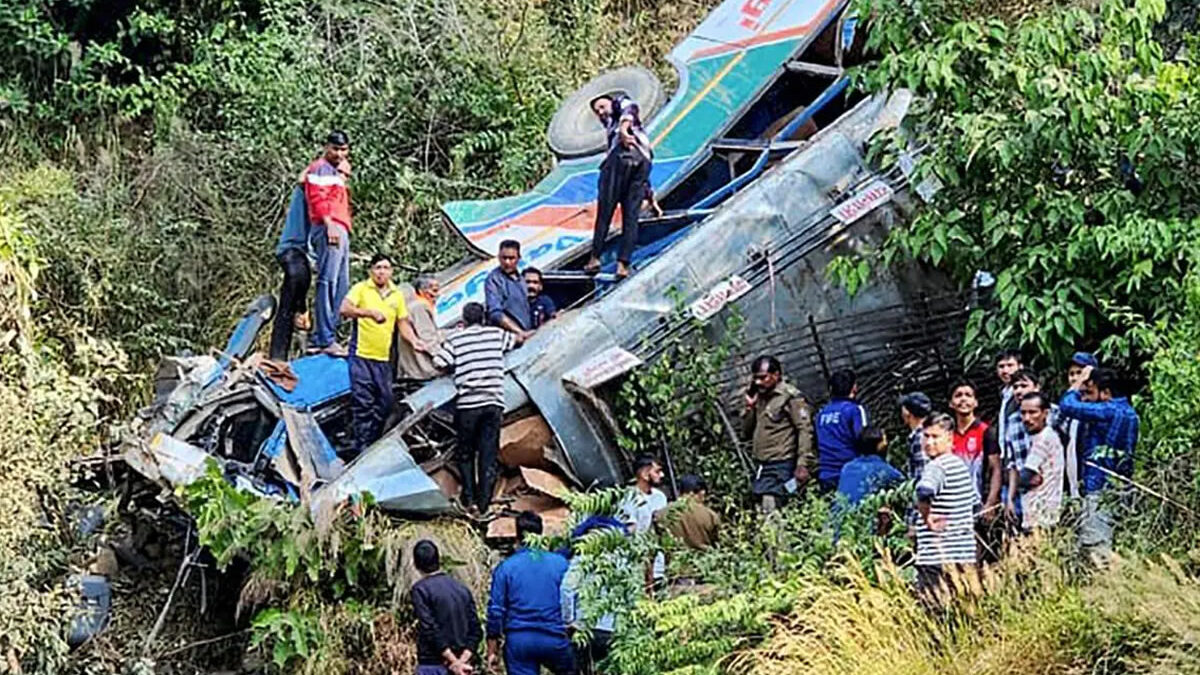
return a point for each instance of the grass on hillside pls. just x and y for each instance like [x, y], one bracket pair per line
[1139, 616]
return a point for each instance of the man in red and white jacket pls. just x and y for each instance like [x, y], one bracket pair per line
[328, 199]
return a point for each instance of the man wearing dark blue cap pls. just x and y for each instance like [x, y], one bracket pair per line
[914, 408]
[1071, 427]
[1109, 444]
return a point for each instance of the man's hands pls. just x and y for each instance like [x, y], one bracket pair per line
[1084, 376]
[936, 523]
[333, 232]
[523, 336]
[991, 509]
[493, 655]
[751, 400]
[1010, 510]
[375, 315]
[801, 474]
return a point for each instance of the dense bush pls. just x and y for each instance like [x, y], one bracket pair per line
[1064, 144]
[51, 411]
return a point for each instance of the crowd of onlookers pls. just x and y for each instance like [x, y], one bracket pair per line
[979, 479]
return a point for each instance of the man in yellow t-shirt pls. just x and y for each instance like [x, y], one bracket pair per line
[377, 307]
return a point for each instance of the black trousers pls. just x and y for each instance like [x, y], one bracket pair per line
[296, 278]
[371, 399]
[590, 655]
[478, 446]
[624, 175]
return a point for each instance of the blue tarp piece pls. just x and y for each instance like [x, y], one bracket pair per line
[321, 377]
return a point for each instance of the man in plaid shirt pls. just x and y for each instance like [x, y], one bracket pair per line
[1108, 445]
[914, 408]
[1017, 441]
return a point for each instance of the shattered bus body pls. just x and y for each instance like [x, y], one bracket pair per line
[760, 167]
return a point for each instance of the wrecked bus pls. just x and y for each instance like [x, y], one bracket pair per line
[760, 168]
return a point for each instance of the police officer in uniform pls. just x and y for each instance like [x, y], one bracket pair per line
[778, 423]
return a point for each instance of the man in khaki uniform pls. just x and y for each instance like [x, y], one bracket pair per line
[778, 423]
[695, 524]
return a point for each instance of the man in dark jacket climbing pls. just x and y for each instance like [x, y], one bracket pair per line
[624, 177]
[292, 253]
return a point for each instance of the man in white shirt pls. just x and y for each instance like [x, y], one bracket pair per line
[640, 506]
[1042, 472]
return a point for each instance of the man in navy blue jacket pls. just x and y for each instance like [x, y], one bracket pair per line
[526, 609]
[839, 425]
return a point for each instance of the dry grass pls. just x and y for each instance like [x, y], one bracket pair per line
[1139, 616]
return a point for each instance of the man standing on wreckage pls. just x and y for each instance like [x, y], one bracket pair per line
[624, 177]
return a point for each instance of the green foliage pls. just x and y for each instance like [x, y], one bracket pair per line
[1027, 124]
[693, 634]
[607, 565]
[293, 635]
[320, 585]
[673, 405]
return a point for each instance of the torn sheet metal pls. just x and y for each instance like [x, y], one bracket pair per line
[311, 447]
[169, 459]
[388, 472]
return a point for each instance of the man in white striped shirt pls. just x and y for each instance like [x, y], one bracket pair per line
[947, 501]
[476, 356]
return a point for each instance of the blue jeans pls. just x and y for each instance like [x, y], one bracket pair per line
[527, 650]
[333, 282]
[371, 399]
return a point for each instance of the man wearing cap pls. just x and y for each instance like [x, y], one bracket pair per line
[1073, 429]
[778, 424]
[914, 408]
[329, 212]
[378, 310]
[1108, 448]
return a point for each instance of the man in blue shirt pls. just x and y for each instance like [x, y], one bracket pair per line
[1108, 446]
[526, 609]
[869, 472]
[505, 295]
[839, 425]
[541, 306]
